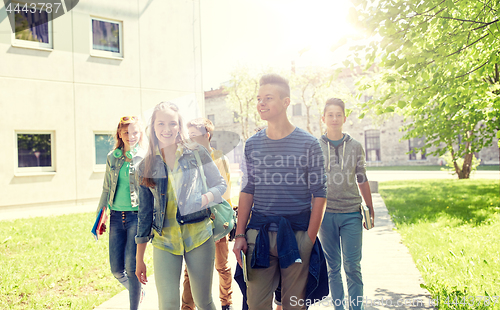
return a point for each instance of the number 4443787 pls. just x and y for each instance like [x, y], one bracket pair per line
[33, 7]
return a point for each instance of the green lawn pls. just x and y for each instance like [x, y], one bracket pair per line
[451, 228]
[430, 168]
[55, 263]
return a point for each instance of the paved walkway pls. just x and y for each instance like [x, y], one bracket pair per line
[389, 273]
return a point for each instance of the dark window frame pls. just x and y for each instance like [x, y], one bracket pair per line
[414, 143]
[33, 154]
[372, 145]
[297, 109]
[211, 117]
[103, 52]
[99, 151]
[17, 41]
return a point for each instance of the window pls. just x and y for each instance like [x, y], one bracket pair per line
[213, 144]
[211, 117]
[416, 143]
[372, 145]
[33, 25]
[297, 109]
[236, 117]
[104, 143]
[238, 153]
[107, 38]
[35, 152]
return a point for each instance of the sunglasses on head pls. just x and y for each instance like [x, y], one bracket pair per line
[128, 118]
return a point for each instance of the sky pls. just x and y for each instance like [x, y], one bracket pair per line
[270, 33]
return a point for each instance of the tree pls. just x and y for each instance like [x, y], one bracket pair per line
[311, 87]
[439, 66]
[242, 99]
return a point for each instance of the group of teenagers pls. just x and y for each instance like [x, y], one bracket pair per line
[295, 188]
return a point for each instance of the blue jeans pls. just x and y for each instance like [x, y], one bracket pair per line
[122, 250]
[343, 230]
[200, 266]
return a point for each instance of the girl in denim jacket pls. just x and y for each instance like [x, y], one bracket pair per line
[174, 210]
[121, 197]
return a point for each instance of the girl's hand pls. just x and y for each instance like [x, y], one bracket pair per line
[204, 200]
[103, 229]
[140, 272]
[207, 198]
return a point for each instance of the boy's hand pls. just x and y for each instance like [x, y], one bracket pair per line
[313, 238]
[240, 244]
[372, 218]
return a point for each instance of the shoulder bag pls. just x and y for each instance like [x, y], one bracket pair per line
[222, 215]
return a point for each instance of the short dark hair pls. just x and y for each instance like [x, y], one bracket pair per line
[334, 101]
[203, 125]
[278, 80]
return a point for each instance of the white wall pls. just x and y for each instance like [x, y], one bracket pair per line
[74, 94]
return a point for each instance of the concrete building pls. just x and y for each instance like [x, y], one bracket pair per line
[228, 130]
[65, 84]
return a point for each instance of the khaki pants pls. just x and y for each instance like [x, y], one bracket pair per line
[222, 267]
[263, 282]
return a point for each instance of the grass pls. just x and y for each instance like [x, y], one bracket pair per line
[428, 168]
[451, 228]
[55, 263]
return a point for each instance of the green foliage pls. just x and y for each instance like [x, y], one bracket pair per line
[34, 142]
[55, 263]
[450, 228]
[438, 65]
[242, 92]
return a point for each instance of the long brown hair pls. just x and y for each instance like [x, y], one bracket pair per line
[149, 159]
[124, 122]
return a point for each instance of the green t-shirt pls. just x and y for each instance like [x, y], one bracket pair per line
[122, 200]
[337, 142]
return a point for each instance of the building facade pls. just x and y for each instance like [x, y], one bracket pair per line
[66, 81]
[228, 131]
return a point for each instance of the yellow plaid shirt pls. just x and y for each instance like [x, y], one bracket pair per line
[178, 239]
[223, 165]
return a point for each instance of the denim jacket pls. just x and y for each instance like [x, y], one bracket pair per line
[153, 200]
[288, 252]
[113, 166]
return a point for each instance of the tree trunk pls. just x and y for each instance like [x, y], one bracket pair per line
[308, 120]
[247, 134]
[242, 119]
[465, 173]
[466, 168]
[454, 160]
